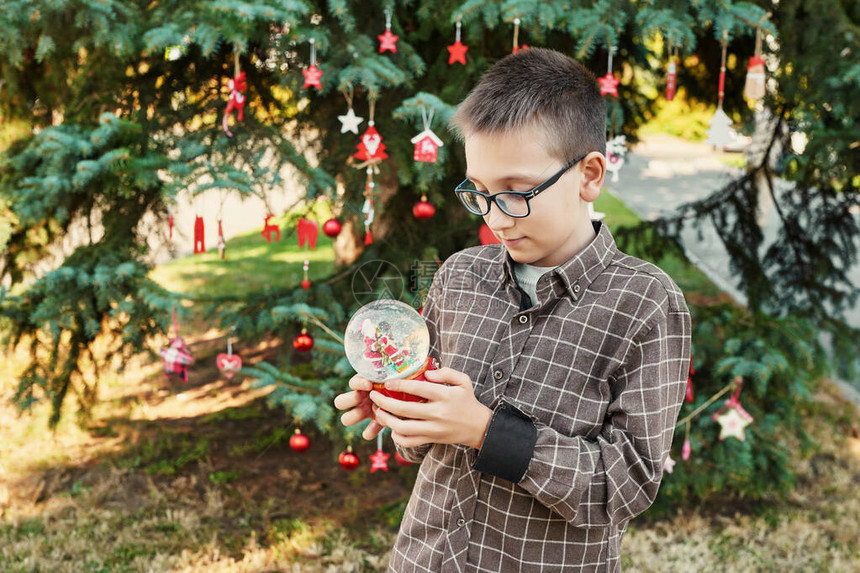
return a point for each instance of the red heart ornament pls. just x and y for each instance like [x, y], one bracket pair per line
[228, 364]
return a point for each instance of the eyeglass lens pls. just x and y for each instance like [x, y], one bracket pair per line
[510, 203]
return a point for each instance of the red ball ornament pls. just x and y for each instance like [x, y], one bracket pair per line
[401, 460]
[303, 342]
[332, 228]
[487, 236]
[299, 442]
[306, 284]
[423, 209]
[348, 460]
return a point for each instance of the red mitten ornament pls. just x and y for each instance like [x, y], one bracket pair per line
[199, 235]
[307, 232]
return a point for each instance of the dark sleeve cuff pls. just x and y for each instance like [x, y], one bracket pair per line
[509, 444]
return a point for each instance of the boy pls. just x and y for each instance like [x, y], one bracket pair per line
[565, 361]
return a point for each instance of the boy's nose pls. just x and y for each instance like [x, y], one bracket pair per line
[496, 219]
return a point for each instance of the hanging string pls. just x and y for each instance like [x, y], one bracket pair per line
[175, 324]
[322, 325]
[388, 18]
[612, 50]
[758, 41]
[457, 33]
[236, 68]
[313, 52]
[722, 90]
[428, 118]
[229, 343]
[379, 441]
[516, 33]
[348, 95]
[372, 110]
[686, 419]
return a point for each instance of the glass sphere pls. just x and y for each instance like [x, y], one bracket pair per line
[386, 339]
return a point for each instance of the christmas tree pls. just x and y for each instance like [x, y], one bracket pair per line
[122, 105]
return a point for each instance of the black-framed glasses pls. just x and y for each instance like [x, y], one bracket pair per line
[512, 203]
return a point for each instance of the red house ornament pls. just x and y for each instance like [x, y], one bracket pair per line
[427, 146]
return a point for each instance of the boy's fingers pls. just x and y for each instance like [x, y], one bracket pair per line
[371, 431]
[359, 382]
[354, 416]
[400, 408]
[405, 441]
[426, 390]
[347, 400]
[448, 376]
[402, 426]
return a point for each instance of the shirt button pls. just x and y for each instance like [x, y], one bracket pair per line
[498, 374]
[461, 522]
[524, 319]
[575, 288]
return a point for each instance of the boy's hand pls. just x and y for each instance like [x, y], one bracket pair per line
[359, 406]
[451, 414]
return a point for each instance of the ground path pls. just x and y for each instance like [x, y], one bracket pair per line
[663, 172]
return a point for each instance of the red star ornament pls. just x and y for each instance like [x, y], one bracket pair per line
[312, 76]
[457, 53]
[388, 41]
[379, 461]
[609, 84]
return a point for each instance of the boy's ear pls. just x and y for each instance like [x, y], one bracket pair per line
[593, 172]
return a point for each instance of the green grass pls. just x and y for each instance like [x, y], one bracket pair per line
[254, 265]
[681, 119]
[687, 276]
[251, 265]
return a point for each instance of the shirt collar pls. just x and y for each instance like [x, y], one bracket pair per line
[577, 273]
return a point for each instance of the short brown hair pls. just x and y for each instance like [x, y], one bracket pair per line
[541, 88]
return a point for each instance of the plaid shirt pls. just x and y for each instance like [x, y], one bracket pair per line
[585, 388]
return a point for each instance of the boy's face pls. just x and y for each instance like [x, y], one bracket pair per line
[558, 226]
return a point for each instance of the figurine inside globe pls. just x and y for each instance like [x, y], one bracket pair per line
[387, 339]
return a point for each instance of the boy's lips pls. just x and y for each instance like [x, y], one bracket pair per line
[512, 242]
